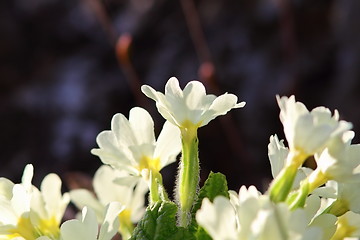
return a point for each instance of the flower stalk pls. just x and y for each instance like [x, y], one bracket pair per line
[282, 184]
[157, 190]
[188, 178]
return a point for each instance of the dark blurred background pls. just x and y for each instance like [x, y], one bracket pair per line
[68, 66]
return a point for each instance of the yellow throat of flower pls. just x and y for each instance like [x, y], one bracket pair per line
[27, 230]
[152, 164]
[126, 226]
[344, 229]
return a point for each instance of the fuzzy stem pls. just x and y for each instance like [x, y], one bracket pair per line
[188, 178]
[157, 190]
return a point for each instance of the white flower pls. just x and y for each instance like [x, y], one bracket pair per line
[190, 107]
[278, 153]
[87, 227]
[29, 213]
[253, 216]
[342, 196]
[308, 132]
[348, 227]
[218, 218]
[130, 145]
[131, 198]
[340, 159]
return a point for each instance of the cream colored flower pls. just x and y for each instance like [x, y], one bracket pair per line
[130, 145]
[348, 227]
[190, 107]
[251, 215]
[133, 199]
[340, 159]
[278, 153]
[29, 213]
[308, 132]
[87, 227]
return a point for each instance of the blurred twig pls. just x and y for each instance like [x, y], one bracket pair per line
[207, 73]
[121, 46]
[207, 68]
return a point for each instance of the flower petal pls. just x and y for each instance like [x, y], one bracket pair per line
[168, 144]
[142, 125]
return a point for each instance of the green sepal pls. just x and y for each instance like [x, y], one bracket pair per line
[159, 223]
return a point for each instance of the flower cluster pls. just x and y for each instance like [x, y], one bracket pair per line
[320, 203]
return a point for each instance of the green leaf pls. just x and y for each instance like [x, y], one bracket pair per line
[201, 234]
[215, 185]
[159, 223]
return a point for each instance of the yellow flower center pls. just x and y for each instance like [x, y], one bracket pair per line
[149, 163]
[126, 226]
[49, 227]
[23, 229]
[27, 230]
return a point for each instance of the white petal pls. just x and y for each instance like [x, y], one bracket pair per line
[194, 92]
[142, 125]
[83, 197]
[221, 106]
[168, 144]
[107, 140]
[87, 228]
[21, 199]
[56, 203]
[172, 88]
[27, 177]
[277, 153]
[6, 187]
[218, 218]
[138, 201]
[122, 131]
[38, 208]
[105, 176]
[111, 222]
[8, 215]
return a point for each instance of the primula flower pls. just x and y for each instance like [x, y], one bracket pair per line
[340, 159]
[308, 132]
[253, 216]
[277, 153]
[27, 213]
[132, 198]
[87, 227]
[130, 145]
[191, 107]
[340, 197]
[348, 227]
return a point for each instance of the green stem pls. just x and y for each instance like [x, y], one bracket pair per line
[157, 190]
[282, 184]
[188, 175]
[300, 197]
[307, 186]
